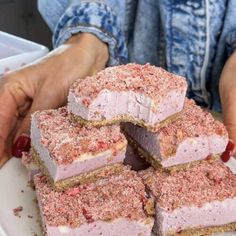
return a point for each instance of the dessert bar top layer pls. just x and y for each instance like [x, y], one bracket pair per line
[121, 195]
[66, 140]
[208, 181]
[149, 80]
[192, 122]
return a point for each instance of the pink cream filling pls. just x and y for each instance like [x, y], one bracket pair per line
[109, 105]
[117, 227]
[190, 149]
[83, 164]
[214, 213]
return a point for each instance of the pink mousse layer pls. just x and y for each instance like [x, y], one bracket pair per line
[216, 213]
[100, 208]
[118, 227]
[194, 136]
[201, 196]
[143, 92]
[68, 149]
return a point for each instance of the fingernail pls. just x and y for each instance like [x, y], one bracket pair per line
[22, 144]
[230, 146]
[225, 156]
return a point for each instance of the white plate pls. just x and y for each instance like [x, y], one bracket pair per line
[13, 179]
[16, 52]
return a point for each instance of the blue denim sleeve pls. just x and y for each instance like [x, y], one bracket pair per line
[231, 42]
[96, 18]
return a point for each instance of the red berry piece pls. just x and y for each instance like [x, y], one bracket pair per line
[230, 146]
[102, 145]
[225, 156]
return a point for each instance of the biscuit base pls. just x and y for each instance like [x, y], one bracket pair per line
[126, 118]
[83, 178]
[157, 164]
[203, 231]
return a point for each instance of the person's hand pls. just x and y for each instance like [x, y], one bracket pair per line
[44, 85]
[228, 100]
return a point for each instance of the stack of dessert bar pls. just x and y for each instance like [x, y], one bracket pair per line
[84, 188]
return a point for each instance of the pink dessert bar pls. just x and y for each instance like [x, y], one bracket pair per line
[110, 207]
[65, 150]
[142, 94]
[192, 137]
[28, 162]
[198, 201]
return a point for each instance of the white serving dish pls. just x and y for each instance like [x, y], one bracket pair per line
[16, 52]
[13, 179]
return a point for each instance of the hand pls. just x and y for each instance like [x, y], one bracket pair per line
[44, 85]
[228, 99]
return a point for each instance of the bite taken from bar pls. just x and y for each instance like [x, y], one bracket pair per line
[142, 94]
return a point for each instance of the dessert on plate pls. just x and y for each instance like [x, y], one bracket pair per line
[103, 207]
[194, 136]
[200, 200]
[69, 153]
[142, 94]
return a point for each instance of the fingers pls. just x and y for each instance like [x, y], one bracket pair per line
[43, 100]
[16, 91]
[8, 114]
[6, 155]
[232, 135]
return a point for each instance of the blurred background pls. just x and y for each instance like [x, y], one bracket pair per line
[21, 18]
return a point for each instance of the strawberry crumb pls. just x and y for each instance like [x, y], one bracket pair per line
[152, 81]
[67, 141]
[86, 102]
[202, 183]
[17, 211]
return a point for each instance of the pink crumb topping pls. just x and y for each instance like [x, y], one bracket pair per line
[120, 195]
[17, 211]
[66, 140]
[152, 81]
[27, 158]
[193, 122]
[195, 186]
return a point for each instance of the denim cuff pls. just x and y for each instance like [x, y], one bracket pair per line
[96, 18]
[231, 42]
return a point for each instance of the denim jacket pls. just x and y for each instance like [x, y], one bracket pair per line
[192, 38]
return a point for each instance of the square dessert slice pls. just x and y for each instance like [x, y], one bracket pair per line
[197, 201]
[142, 94]
[192, 137]
[113, 206]
[68, 152]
